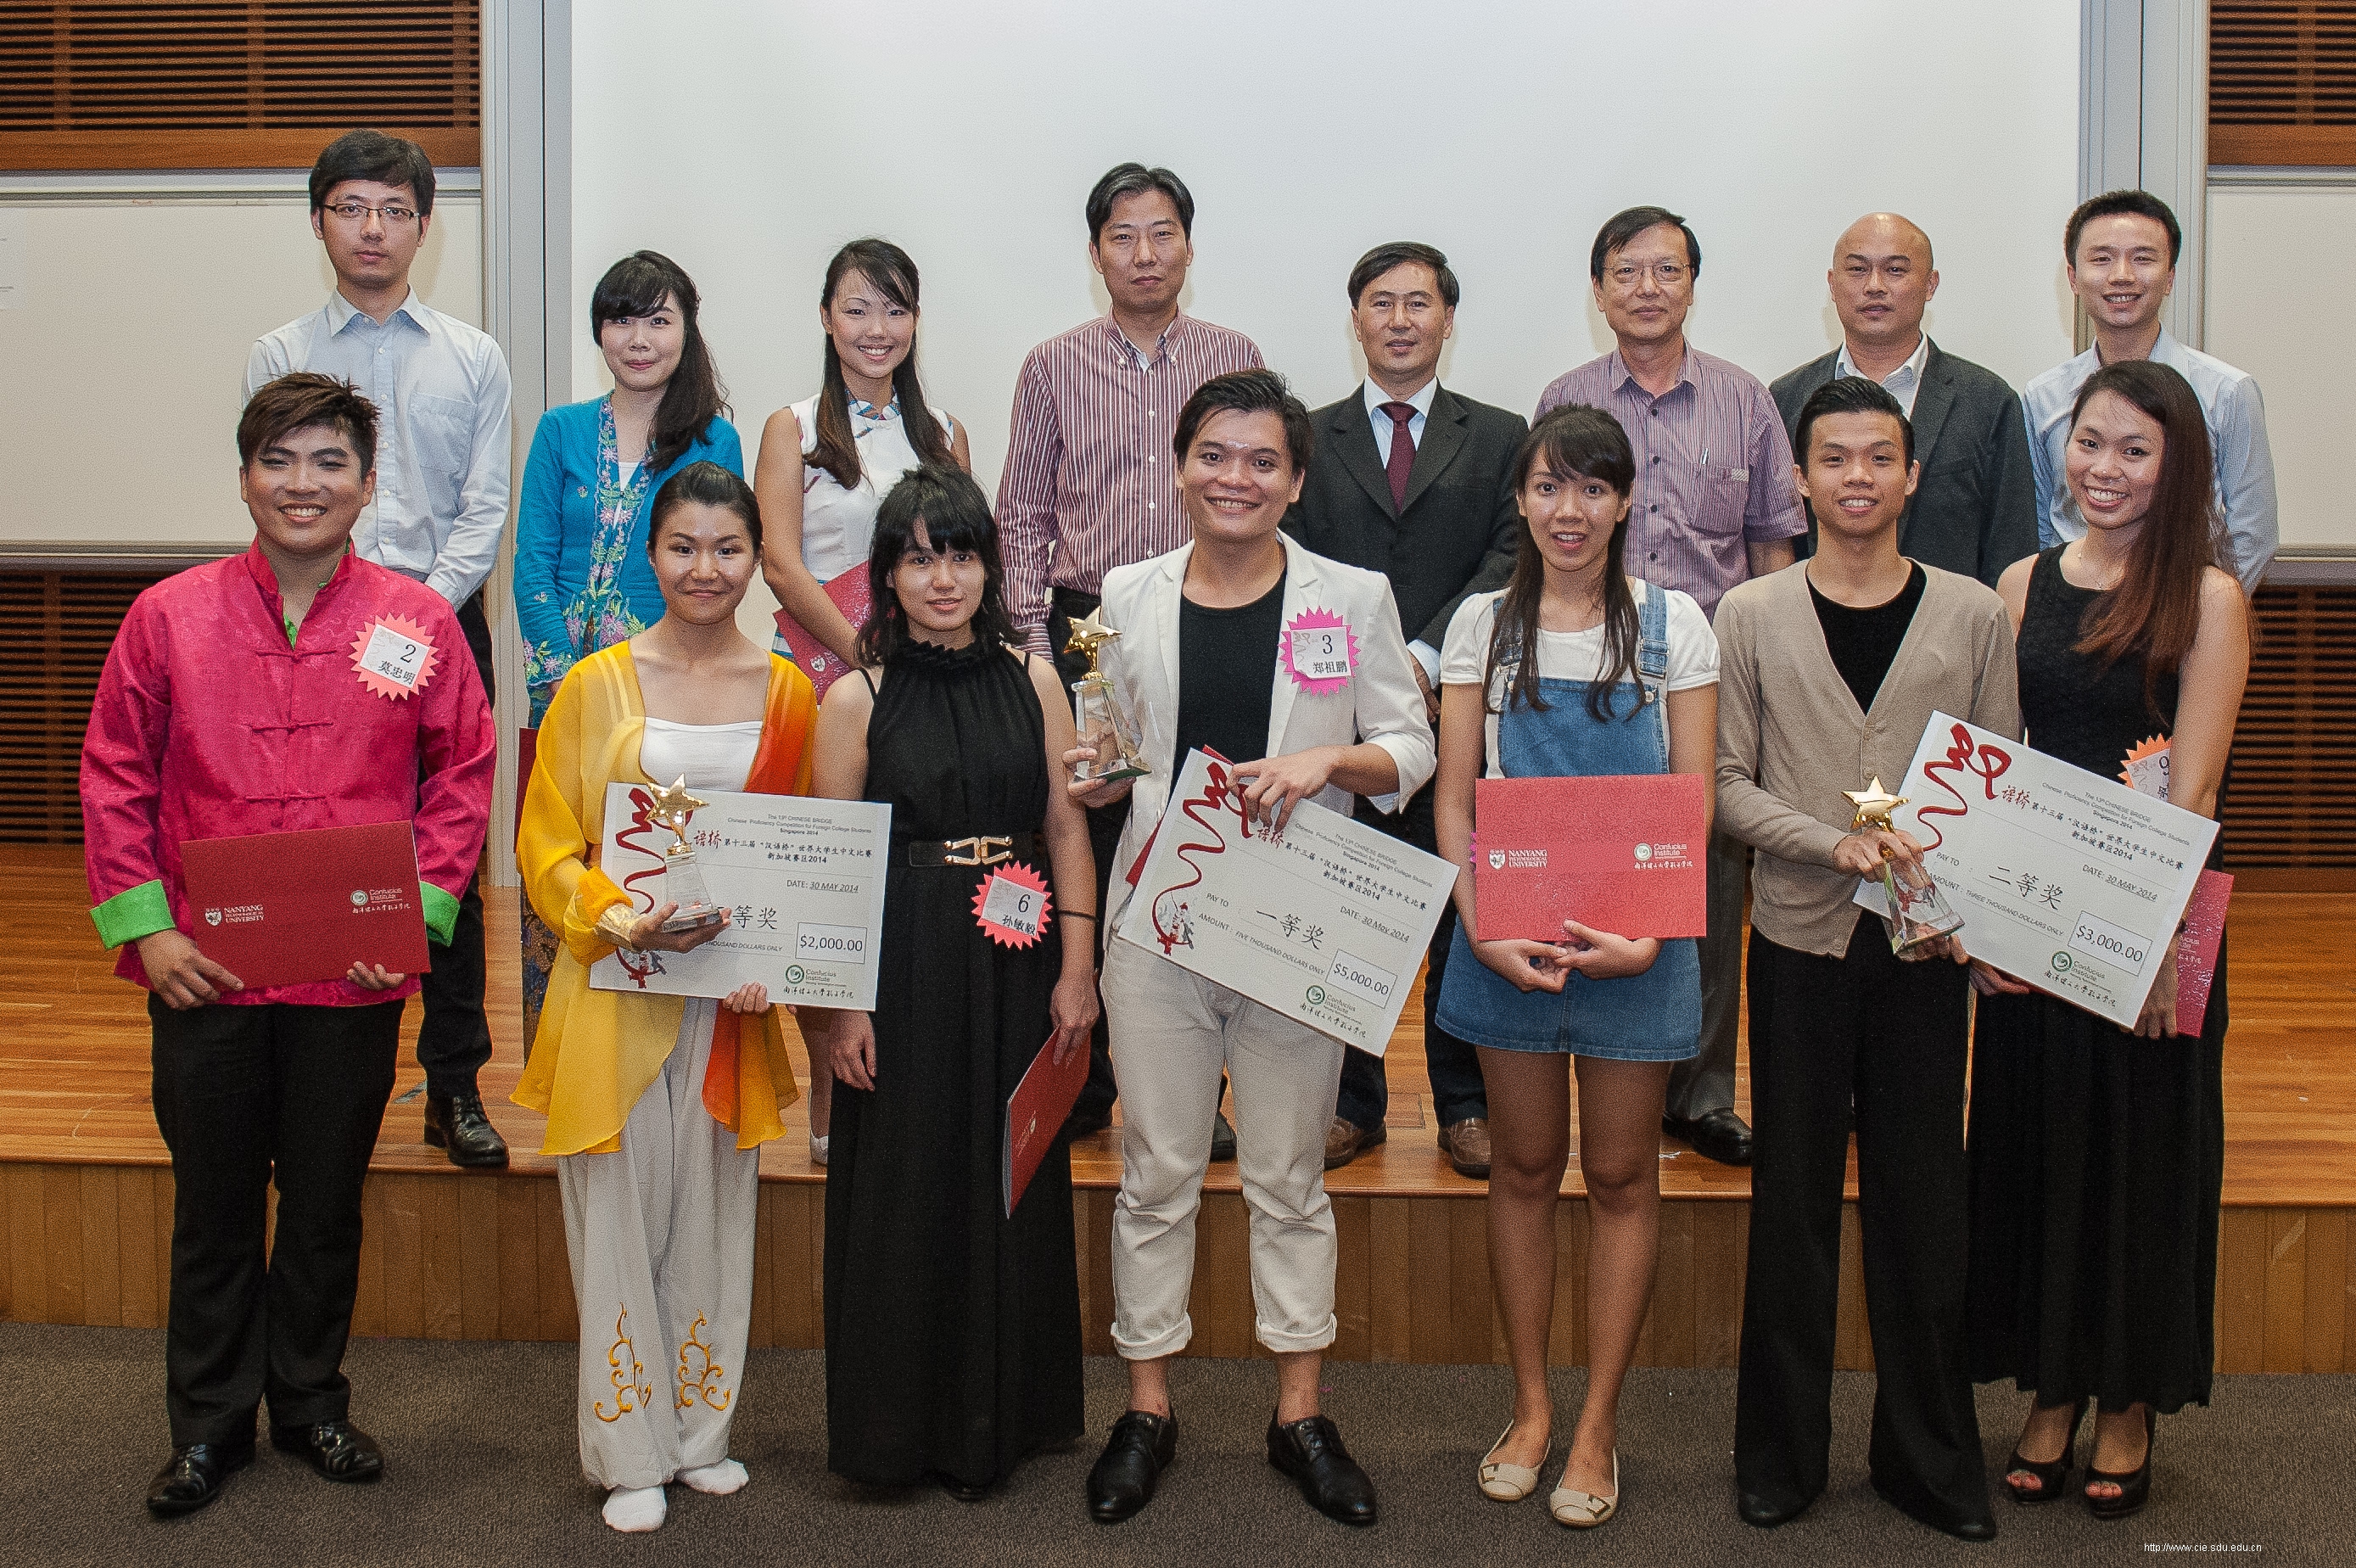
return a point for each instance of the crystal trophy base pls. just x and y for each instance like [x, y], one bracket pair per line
[683, 885]
[1916, 914]
[1103, 726]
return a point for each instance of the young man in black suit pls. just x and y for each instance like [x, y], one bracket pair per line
[1975, 511]
[1416, 482]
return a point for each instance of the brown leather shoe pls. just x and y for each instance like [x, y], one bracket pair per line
[1466, 1144]
[1345, 1142]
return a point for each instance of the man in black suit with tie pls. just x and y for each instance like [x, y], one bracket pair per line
[1975, 511]
[1414, 481]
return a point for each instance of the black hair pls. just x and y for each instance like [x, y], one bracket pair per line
[1574, 441]
[889, 268]
[1248, 392]
[1625, 226]
[707, 483]
[1136, 180]
[301, 399]
[373, 154]
[1849, 394]
[1399, 252]
[943, 498]
[694, 397]
[2122, 203]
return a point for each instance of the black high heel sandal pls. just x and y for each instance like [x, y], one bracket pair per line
[2135, 1487]
[2053, 1472]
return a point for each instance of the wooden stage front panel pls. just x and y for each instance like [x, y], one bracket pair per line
[480, 1255]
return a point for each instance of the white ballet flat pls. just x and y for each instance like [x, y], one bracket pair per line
[1505, 1483]
[1584, 1510]
[818, 1149]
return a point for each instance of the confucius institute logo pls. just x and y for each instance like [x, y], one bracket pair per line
[1316, 997]
[1643, 852]
[2062, 963]
[794, 974]
[360, 897]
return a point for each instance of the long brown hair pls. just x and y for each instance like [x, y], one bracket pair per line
[1574, 441]
[886, 266]
[2155, 608]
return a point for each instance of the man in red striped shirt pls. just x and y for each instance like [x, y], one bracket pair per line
[1089, 482]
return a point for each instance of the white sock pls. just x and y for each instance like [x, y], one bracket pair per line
[633, 1511]
[717, 1479]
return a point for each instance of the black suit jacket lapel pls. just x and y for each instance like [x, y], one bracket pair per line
[1353, 438]
[1933, 400]
[1443, 437]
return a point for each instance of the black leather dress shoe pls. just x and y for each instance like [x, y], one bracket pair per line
[1756, 1511]
[1719, 1135]
[1142, 1447]
[1222, 1138]
[337, 1449]
[456, 1123]
[1311, 1452]
[194, 1475]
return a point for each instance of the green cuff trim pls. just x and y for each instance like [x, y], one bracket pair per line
[441, 913]
[136, 912]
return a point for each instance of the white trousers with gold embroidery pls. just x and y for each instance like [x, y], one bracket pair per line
[660, 1234]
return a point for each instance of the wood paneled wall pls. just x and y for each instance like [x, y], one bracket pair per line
[478, 1256]
[235, 83]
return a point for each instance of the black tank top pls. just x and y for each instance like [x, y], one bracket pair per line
[2077, 708]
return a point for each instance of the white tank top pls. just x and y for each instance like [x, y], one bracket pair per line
[838, 525]
[709, 756]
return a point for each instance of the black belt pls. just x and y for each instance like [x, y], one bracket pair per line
[1075, 603]
[967, 852]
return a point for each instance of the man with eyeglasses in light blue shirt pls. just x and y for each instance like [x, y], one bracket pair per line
[442, 394]
[2121, 249]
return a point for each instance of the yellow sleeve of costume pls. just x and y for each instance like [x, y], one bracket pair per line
[552, 848]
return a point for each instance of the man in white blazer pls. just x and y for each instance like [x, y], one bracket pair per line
[1197, 660]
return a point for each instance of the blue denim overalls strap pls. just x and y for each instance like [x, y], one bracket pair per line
[1651, 1016]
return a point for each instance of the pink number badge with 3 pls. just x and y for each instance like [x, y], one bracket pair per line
[1319, 652]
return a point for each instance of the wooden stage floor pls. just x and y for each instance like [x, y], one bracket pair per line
[87, 1182]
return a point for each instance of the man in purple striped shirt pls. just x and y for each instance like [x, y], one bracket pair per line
[1090, 483]
[1714, 505]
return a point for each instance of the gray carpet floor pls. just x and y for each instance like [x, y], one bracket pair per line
[481, 1467]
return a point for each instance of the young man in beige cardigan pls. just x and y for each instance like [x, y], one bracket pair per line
[1828, 673]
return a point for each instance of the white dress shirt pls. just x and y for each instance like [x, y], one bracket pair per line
[1420, 402]
[1901, 383]
[441, 396]
[1425, 654]
[2244, 465]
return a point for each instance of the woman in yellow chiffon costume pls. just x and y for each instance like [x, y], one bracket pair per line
[658, 1105]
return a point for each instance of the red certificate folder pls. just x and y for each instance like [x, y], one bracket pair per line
[2196, 955]
[1621, 853]
[819, 662]
[1035, 1113]
[284, 909]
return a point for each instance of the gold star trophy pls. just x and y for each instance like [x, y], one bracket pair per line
[682, 881]
[1915, 913]
[1103, 722]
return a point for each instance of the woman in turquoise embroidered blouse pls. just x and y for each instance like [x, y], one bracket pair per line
[582, 581]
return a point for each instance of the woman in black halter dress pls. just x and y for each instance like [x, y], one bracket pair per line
[952, 1330]
[2097, 1152]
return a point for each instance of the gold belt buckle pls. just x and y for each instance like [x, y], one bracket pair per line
[980, 851]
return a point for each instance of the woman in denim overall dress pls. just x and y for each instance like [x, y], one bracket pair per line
[1572, 669]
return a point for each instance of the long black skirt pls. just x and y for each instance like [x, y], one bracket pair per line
[2097, 1160]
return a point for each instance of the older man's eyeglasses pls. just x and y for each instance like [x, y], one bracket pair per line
[1627, 273]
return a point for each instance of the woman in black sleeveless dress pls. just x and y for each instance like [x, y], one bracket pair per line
[952, 1331]
[2097, 1152]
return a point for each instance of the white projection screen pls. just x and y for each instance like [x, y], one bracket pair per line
[749, 138]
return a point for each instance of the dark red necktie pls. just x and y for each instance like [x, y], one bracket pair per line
[1402, 461]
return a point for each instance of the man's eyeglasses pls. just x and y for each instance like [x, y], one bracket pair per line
[1668, 272]
[357, 212]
